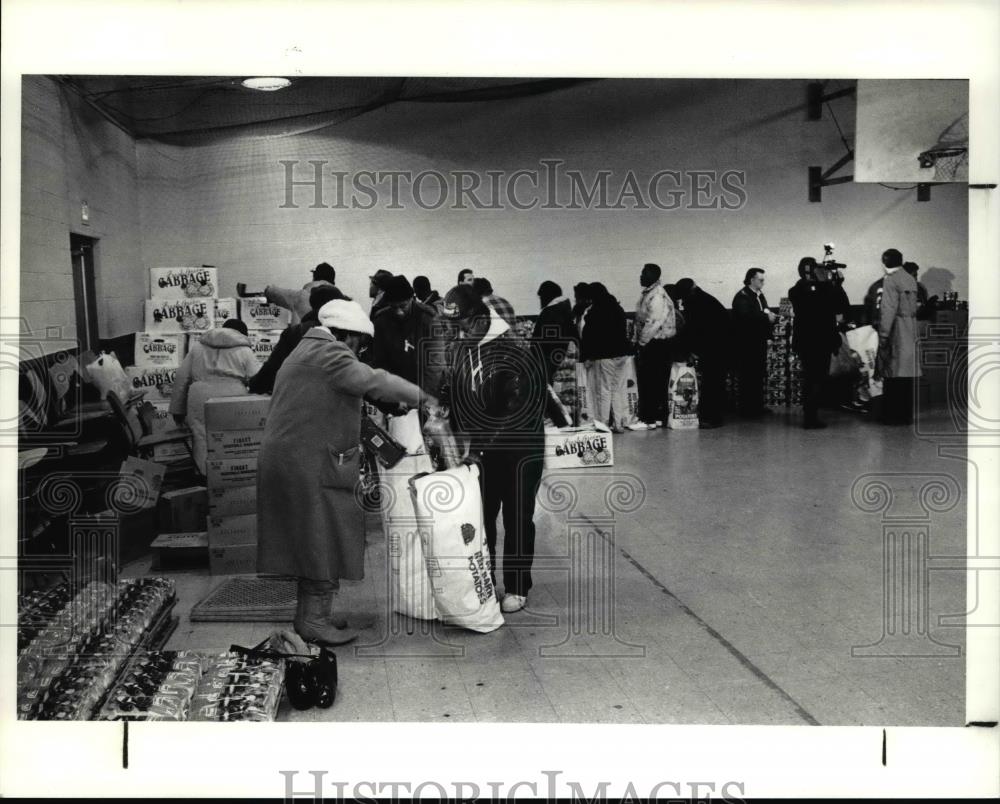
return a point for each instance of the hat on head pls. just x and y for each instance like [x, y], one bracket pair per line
[325, 272]
[347, 316]
[397, 289]
[380, 277]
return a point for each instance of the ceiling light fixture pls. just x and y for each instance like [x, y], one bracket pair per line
[267, 84]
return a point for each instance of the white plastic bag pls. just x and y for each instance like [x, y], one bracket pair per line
[450, 511]
[584, 395]
[406, 430]
[107, 374]
[682, 398]
[631, 414]
[864, 341]
[411, 586]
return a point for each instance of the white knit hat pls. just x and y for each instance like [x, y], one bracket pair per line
[345, 315]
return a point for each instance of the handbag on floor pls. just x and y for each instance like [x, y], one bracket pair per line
[682, 398]
[449, 509]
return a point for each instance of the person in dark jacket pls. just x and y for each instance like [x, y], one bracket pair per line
[554, 327]
[404, 336]
[500, 305]
[706, 333]
[604, 349]
[497, 398]
[814, 333]
[581, 303]
[263, 381]
[753, 324]
[422, 292]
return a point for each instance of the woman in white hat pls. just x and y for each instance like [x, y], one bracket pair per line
[310, 519]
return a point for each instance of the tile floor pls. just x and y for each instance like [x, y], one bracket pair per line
[729, 586]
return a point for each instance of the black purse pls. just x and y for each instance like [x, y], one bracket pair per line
[308, 683]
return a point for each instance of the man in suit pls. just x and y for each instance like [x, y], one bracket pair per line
[753, 323]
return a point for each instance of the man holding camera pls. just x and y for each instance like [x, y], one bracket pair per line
[814, 333]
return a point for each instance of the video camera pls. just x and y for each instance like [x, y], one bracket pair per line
[828, 261]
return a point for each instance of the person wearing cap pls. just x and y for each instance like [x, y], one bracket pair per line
[219, 363]
[377, 283]
[554, 328]
[497, 397]
[423, 293]
[499, 304]
[310, 523]
[404, 329]
[263, 381]
[295, 300]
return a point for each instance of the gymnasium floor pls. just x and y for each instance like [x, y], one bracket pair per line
[732, 593]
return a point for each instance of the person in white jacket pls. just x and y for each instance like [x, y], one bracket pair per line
[220, 363]
[655, 326]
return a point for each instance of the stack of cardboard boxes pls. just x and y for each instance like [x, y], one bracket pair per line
[234, 429]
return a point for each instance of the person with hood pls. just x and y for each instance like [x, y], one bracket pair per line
[706, 334]
[753, 326]
[604, 349]
[310, 523]
[377, 283]
[896, 362]
[655, 328]
[497, 399]
[219, 363]
[295, 300]
[423, 293]
[815, 336]
[404, 333]
[554, 328]
[263, 381]
[499, 304]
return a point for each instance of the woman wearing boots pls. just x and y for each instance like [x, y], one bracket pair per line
[310, 521]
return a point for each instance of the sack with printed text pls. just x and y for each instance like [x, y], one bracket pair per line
[682, 398]
[449, 511]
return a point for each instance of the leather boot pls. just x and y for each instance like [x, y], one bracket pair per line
[312, 612]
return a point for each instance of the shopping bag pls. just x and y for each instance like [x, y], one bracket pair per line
[845, 362]
[406, 430]
[555, 410]
[631, 413]
[864, 342]
[682, 398]
[411, 587]
[106, 374]
[584, 395]
[449, 512]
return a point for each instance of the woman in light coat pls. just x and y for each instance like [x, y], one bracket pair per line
[897, 361]
[310, 522]
[220, 363]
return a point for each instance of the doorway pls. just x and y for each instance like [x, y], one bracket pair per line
[83, 251]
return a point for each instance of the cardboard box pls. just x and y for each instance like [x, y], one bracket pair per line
[231, 472]
[229, 501]
[234, 443]
[176, 317]
[159, 419]
[179, 551]
[263, 342]
[237, 559]
[183, 510]
[259, 314]
[171, 453]
[183, 283]
[135, 530]
[588, 447]
[158, 383]
[224, 310]
[224, 531]
[140, 482]
[237, 412]
[158, 351]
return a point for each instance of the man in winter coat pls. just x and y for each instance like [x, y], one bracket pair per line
[405, 337]
[753, 324]
[220, 363]
[310, 523]
[604, 351]
[655, 327]
[295, 300]
[497, 397]
[706, 334]
[554, 328]
[422, 293]
[263, 381]
[815, 336]
[896, 361]
[500, 305]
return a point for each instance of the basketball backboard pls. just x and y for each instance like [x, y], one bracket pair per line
[912, 130]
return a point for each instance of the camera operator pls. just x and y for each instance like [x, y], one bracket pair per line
[815, 337]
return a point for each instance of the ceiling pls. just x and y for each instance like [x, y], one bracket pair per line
[179, 107]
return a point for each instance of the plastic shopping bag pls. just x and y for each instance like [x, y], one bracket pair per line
[411, 586]
[406, 430]
[682, 398]
[845, 362]
[584, 395]
[449, 509]
[107, 374]
[864, 341]
[631, 413]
